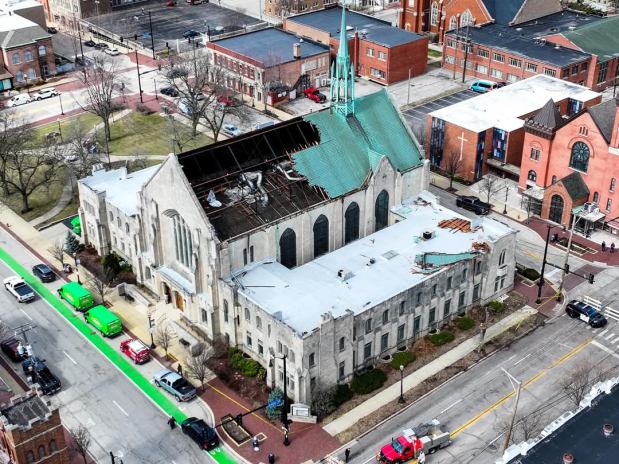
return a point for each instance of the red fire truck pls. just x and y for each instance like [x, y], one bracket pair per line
[426, 438]
[136, 350]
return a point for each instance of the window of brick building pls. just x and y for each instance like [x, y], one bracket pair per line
[498, 57]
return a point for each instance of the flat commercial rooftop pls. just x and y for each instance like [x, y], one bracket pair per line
[503, 108]
[374, 268]
[375, 30]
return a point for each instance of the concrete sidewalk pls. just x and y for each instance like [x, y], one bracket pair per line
[392, 393]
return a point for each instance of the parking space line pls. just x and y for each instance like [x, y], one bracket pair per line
[121, 409]
[609, 336]
[70, 358]
[605, 348]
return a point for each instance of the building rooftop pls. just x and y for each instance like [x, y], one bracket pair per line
[375, 30]
[511, 41]
[120, 188]
[16, 30]
[25, 410]
[600, 38]
[504, 108]
[270, 46]
[301, 162]
[604, 117]
[503, 11]
[370, 270]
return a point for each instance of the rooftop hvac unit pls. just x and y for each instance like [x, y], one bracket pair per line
[296, 50]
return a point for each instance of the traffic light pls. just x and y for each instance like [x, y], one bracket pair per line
[122, 39]
[567, 268]
[135, 37]
[590, 278]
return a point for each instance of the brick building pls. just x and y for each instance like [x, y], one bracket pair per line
[439, 16]
[266, 64]
[379, 51]
[31, 431]
[487, 131]
[284, 8]
[67, 13]
[570, 162]
[601, 40]
[26, 50]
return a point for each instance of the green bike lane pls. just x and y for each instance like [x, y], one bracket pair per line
[219, 455]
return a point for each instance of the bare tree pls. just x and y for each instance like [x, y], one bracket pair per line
[81, 440]
[179, 135]
[57, 252]
[14, 136]
[102, 81]
[164, 335]
[197, 368]
[578, 383]
[489, 186]
[453, 163]
[80, 145]
[100, 287]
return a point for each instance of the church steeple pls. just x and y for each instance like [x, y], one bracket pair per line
[342, 75]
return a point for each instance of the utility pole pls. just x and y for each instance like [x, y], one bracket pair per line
[567, 256]
[152, 39]
[508, 435]
[137, 64]
[540, 284]
[455, 63]
[466, 51]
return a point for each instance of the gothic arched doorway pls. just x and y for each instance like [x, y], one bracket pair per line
[556, 209]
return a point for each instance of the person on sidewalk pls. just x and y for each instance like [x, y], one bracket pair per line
[172, 422]
[603, 246]
[179, 369]
[346, 454]
[255, 443]
[612, 247]
[271, 458]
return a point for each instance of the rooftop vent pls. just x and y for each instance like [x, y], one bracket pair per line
[390, 254]
[427, 235]
[345, 274]
[296, 50]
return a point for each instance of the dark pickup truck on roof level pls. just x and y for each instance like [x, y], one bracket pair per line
[473, 204]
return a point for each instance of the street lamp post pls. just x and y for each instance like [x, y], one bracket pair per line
[506, 192]
[77, 269]
[401, 400]
[155, 82]
[150, 329]
[137, 64]
[61, 108]
[540, 284]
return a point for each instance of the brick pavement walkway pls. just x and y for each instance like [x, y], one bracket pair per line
[307, 441]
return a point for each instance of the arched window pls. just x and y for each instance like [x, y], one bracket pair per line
[29, 457]
[19, 76]
[52, 446]
[434, 14]
[612, 184]
[288, 248]
[15, 58]
[381, 210]
[41, 452]
[580, 156]
[596, 197]
[28, 55]
[502, 258]
[321, 236]
[466, 19]
[32, 74]
[453, 23]
[532, 176]
[42, 50]
[351, 227]
[554, 179]
[183, 244]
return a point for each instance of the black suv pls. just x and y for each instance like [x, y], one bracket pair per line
[9, 347]
[473, 204]
[200, 432]
[44, 273]
[585, 313]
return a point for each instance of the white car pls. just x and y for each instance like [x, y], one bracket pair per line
[49, 92]
[16, 286]
[20, 99]
[231, 130]
[112, 51]
[72, 157]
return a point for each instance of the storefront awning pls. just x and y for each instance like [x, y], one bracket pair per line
[590, 215]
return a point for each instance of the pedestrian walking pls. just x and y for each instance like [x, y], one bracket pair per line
[271, 458]
[422, 457]
[172, 422]
[179, 369]
[612, 247]
[603, 246]
[255, 444]
[346, 454]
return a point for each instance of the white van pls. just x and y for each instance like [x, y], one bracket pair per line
[20, 99]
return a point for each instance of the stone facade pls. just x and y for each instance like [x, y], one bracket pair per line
[284, 8]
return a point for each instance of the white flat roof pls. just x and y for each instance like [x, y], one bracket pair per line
[12, 22]
[502, 108]
[304, 293]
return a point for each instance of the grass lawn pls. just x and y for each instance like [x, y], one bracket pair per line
[434, 53]
[41, 201]
[88, 120]
[139, 134]
[69, 210]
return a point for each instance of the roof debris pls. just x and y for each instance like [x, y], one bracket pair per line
[456, 224]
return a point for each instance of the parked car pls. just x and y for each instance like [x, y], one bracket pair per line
[473, 203]
[227, 101]
[136, 350]
[586, 313]
[16, 286]
[42, 94]
[90, 43]
[52, 30]
[112, 51]
[44, 273]
[231, 130]
[72, 157]
[262, 125]
[175, 73]
[314, 94]
[169, 91]
[37, 372]
[10, 347]
[483, 86]
[190, 34]
[175, 384]
[200, 432]
[17, 100]
[105, 321]
[184, 107]
[101, 46]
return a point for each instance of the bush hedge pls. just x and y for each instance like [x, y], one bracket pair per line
[246, 366]
[465, 323]
[496, 306]
[368, 382]
[530, 274]
[402, 358]
[441, 338]
[342, 394]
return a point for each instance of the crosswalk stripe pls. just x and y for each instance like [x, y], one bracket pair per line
[603, 332]
[608, 337]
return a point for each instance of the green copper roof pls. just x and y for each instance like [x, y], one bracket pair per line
[442, 259]
[350, 148]
[600, 38]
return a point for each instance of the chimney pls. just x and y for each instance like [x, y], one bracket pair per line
[296, 50]
[614, 138]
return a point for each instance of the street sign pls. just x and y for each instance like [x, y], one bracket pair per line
[275, 403]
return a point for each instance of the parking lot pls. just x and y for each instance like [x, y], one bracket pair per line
[417, 116]
[170, 23]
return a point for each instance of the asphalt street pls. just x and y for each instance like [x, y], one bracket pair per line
[94, 393]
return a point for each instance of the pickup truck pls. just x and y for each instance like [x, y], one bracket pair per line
[473, 204]
[37, 372]
[425, 438]
[19, 289]
[175, 384]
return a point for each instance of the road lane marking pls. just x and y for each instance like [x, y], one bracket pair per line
[25, 313]
[67, 355]
[522, 359]
[533, 379]
[604, 348]
[121, 409]
[449, 407]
